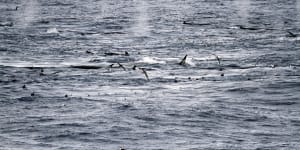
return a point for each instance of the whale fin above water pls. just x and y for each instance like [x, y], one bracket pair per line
[134, 67]
[126, 53]
[85, 67]
[219, 62]
[183, 61]
[116, 54]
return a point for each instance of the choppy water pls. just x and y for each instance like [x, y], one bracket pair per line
[59, 91]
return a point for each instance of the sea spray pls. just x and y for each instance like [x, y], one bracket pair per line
[28, 13]
[141, 27]
[243, 9]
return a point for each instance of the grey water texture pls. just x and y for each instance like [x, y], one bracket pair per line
[150, 74]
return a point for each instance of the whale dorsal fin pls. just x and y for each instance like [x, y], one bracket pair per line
[183, 61]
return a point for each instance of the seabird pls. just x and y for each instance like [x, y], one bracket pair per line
[291, 34]
[145, 73]
[121, 66]
[134, 67]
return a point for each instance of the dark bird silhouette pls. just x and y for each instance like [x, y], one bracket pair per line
[126, 53]
[111, 65]
[89, 52]
[134, 67]
[218, 59]
[145, 73]
[111, 54]
[121, 66]
[291, 34]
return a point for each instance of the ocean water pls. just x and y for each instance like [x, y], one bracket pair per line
[105, 74]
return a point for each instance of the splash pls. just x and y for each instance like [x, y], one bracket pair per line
[151, 60]
[104, 10]
[52, 30]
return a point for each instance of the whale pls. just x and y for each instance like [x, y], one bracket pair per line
[183, 61]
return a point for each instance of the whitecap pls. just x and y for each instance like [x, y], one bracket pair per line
[190, 62]
[52, 30]
[152, 60]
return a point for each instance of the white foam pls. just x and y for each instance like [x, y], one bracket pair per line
[52, 30]
[21, 64]
[189, 61]
[152, 60]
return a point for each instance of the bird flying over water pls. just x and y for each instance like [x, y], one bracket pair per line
[145, 73]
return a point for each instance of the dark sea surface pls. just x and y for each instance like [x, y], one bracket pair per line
[68, 81]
